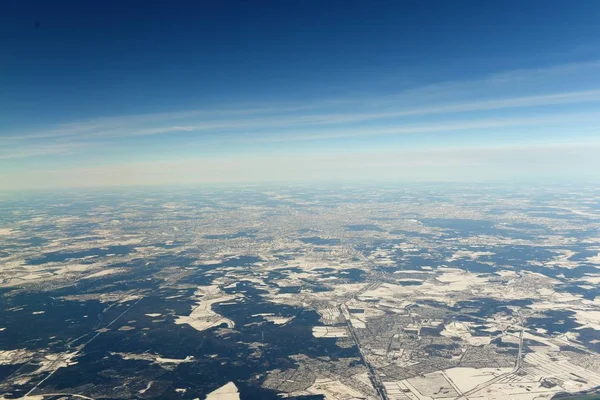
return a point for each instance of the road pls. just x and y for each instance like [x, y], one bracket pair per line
[517, 366]
[56, 364]
[372, 374]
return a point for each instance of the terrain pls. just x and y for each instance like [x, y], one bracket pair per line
[408, 292]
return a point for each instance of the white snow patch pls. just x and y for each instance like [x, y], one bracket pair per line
[466, 379]
[329, 332]
[226, 392]
[202, 316]
[104, 272]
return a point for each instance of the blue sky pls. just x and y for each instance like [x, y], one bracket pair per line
[119, 93]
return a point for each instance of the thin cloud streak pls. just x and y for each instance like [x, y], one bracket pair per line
[333, 119]
[96, 131]
[439, 127]
[23, 150]
[221, 117]
[44, 150]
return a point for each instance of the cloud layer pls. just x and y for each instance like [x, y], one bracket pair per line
[551, 111]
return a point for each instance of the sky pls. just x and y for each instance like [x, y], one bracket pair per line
[147, 92]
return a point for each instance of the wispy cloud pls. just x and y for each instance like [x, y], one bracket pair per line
[545, 72]
[439, 127]
[138, 125]
[456, 106]
[36, 151]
